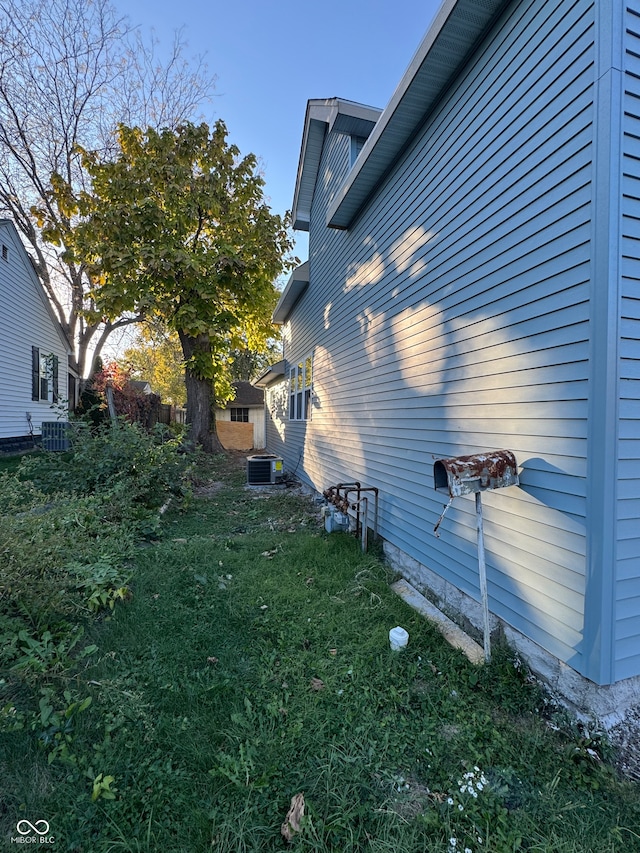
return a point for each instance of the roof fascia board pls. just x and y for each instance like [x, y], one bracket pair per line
[315, 124]
[295, 287]
[361, 116]
[274, 373]
[455, 33]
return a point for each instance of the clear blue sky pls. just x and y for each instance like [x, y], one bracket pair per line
[271, 57]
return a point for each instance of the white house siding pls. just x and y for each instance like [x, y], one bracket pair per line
[627, 648]
[453, 318]
[25, 322]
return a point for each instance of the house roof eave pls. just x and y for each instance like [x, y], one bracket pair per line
[30, 266]
[323, 114]
[274, 373]
[295, 287]
[452, 37]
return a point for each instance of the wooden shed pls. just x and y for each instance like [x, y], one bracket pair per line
[240, 425]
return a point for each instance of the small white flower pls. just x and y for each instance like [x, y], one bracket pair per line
[468, 850]
[450, 801]
[460, 807]
[453, 841]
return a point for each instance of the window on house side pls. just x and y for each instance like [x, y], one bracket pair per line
[240, 415]
[300, 390]
[44, 376]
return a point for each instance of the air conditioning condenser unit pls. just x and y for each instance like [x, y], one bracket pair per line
[264, 470]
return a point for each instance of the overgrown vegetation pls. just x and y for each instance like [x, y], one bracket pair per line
[70, 527]
[250, 664]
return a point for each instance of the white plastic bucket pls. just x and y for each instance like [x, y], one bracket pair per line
[398, 638]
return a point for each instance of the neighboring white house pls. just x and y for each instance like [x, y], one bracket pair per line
[473, 284]
[241, 424]
[34, 381]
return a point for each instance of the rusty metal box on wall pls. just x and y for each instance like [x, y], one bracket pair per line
[480, 472]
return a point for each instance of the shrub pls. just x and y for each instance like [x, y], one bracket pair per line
[121, 461]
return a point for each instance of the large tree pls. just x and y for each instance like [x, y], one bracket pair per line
[176, 226]
[70, 72]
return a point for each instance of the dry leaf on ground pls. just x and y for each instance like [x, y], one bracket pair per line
[291, 823]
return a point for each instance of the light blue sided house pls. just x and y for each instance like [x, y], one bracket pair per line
[473, 284]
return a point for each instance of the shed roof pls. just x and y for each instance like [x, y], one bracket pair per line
[246, 395]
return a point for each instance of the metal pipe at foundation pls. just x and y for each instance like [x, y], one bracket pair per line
[339, 496]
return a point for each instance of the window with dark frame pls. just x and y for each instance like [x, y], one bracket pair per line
[240, 415]
[44, 376]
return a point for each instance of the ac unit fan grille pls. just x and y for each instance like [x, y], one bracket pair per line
[259, 472]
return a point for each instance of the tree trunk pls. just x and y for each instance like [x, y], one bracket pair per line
[200, 397]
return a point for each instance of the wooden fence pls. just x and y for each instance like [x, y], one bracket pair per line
[168, 414]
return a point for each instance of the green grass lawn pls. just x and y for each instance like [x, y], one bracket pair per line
[251, 664]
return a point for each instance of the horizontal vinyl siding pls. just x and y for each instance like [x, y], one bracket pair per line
[24, 322]
[627, 593]
[288, 438]
[276, 421]
[453, 318]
